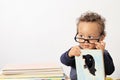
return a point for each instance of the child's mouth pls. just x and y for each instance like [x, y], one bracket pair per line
[86, 46]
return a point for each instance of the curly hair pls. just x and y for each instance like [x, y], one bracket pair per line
[93, 17]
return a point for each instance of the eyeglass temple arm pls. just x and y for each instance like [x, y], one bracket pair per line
[75, 36]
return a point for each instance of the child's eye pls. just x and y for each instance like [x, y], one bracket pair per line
[90, 37]
[81, 36]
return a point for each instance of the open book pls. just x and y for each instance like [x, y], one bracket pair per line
[90, 65]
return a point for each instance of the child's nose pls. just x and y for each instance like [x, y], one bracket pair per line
[86, 41]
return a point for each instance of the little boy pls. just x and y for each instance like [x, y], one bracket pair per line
[90, 35]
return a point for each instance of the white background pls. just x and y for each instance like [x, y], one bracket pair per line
[39, 31]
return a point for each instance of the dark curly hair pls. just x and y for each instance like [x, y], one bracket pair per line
[93, 17]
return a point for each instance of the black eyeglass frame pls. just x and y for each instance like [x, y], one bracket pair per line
[75, 38]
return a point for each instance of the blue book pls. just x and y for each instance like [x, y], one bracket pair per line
[90, 65]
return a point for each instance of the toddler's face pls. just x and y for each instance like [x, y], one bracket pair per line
[88, 31]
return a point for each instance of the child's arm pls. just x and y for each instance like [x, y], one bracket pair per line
[68, 58]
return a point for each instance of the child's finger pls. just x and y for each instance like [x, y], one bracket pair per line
[102, 43]
[99, 45]
[77, 52]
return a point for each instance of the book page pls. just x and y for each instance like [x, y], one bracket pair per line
[90, 66]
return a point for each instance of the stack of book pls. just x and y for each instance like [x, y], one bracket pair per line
[32, 72]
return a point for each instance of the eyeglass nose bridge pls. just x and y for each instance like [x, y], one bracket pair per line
[86, 40]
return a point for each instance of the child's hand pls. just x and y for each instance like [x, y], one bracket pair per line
[75, 51]
[100, 45]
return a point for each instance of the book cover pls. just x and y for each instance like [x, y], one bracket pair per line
[90, 65]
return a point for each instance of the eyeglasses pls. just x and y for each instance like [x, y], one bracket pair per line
[83, 40]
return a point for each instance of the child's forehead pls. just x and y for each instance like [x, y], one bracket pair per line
[88, 33]
[89, 28]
